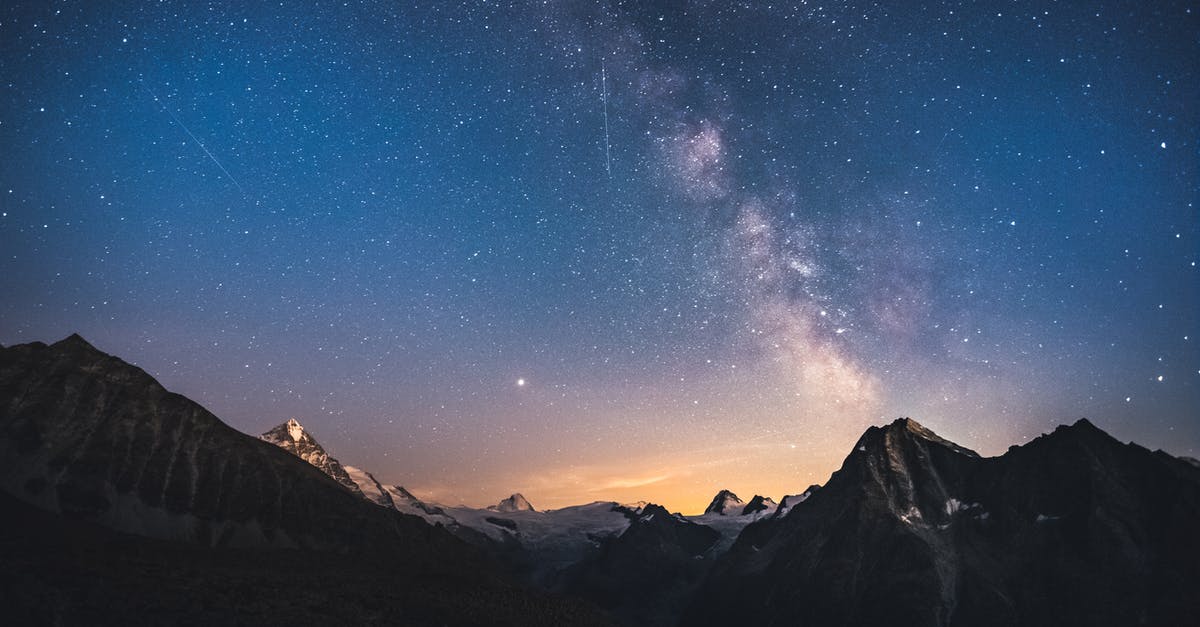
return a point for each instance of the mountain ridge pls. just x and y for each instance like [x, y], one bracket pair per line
[153, 492]
[1072, 527]
[912, 530]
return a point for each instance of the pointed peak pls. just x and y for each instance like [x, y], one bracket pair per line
[659, 514]
[908, 427]
[291, 432]
[909, 424]
[725, 503]
[1083, 424]
[515, 503]
[1082, 428]
[294, 429]
[74, 340]
[653, 508]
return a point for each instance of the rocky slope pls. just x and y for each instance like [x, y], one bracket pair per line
[291, 437]
[91, 446]
[1073, 528]
[725, 503]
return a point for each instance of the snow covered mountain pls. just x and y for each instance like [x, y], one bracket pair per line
[291, 437]
[514, 503]
[545, 547]
[1071, 528]
[912, 530]
[536, 545]
[728, 515]
[370, 487]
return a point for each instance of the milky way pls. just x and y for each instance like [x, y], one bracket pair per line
[616, 251]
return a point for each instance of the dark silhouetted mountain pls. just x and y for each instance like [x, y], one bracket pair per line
[1073, 528]
[646, 575]
[759, 504]
[725, 503]
[63, 571]
[225, 528]
[292, 437]
[788, 502]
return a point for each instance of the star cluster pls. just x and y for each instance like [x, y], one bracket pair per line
[616, 250]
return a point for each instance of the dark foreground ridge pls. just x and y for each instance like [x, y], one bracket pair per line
[1074, 528]
[220, 527]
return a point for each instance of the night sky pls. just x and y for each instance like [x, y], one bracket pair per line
[616, 251]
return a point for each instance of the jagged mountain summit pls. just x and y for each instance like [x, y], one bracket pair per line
[92, 436]
[291, 437]
[725, 503]
[763, 505]
[514, 503]
[1073, 528]
[728, 515]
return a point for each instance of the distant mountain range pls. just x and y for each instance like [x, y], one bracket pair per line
[116, 488]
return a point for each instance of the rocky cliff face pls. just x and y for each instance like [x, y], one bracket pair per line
[1073, 528]
[222, 528]
[725, 503]
[291, 437]
[85, 434]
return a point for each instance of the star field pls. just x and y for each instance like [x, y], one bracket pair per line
[618, 250]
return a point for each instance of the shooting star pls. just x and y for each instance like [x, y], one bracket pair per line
[604, 97]
[194, 138]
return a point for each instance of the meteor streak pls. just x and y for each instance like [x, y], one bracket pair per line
[194, 138]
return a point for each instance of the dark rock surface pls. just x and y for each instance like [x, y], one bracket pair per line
[222, 527]
[1074, 528]
[646, 575]
[725, 503]
[61, 571]
[291, 437]
[758, 504]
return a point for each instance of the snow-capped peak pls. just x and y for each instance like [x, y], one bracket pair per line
[514, 503]
[294, 429]
[792, 500]
[725, 503]
[292, 437]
